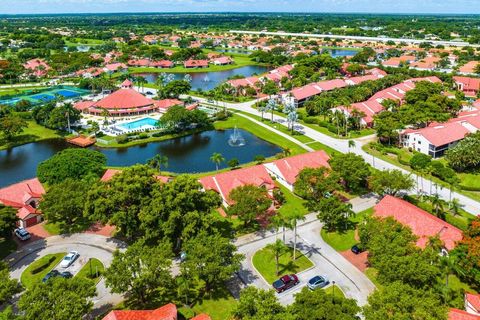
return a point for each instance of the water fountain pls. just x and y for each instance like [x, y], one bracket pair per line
[206, 79]
[236, 139]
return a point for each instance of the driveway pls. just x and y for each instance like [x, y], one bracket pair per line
[326, 260]
[88, 245]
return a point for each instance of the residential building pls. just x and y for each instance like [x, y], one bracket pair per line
[423, 224]
[221, 61]
[195, 64]
[24, 197]
[469, 86]
[167, 312]
[469, 67]
[37, 67]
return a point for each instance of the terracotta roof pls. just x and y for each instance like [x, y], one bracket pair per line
[202, 316]
[225, 182]
[109, 173]
[469, 67]
[473, 300]
[441, 134]
[456, 314]
[167, 312]
[422, 223]
[290, 167]
[124, 99]
[16, 193]
[195, 63]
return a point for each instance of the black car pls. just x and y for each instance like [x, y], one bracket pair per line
[357, 249]
[66, 275]
[285, 282]
[51, 274]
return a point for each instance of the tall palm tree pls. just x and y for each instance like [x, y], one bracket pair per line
[294, 216]
[217, 158]
[351, 144]
[437, 203]
[455, 206]
[158, 161]
[278, 247]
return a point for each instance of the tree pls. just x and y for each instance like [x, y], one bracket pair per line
[59, 298]
[334, 213]
[142, 272]
[233, 163]
[8, 221]
[249, 203]
[64, 203]
[175, 88]
[61, 117]
[120, 200]
[178, 211]
[211, 259]
[390, 182]
[258, 304]
[313, 184]
[437, 204]
[259, 158]
[467, 254]
[217, 158]
[12, 125]
[318, 305]
[464, 155]
[8, 286]
[158, 161]
[401, 301]
[420, 161]
[278, 248]
[72, 163]
[352, 170]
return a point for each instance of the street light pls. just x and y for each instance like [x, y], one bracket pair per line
[333, 290]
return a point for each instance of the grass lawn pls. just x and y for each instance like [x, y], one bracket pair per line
[260, 132]
[371, 274]
[7, 246]
[43, 265]
[264, 262]
[92, 270]
[335, 291]
[52, 228]
[292, 203]
[342, 241]
[219, 305]
[18, 90]
[456, 284]
[34, 132]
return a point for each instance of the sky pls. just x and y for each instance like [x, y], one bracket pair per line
[105, 6]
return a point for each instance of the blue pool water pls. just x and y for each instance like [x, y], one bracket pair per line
[137, 124]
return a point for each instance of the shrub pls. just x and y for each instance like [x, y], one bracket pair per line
[43, 266]
[122, 139]
[143, 135]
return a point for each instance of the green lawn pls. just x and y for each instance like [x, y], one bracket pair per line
[47, 263]
[335, 291]
[292, 203]
[342, 241]
[92, 270]
[7, 246]
[264, 262]
[34, 132]
[371, 274]
[260, 132]
[219, 305]
[18, 90]
[52, 228]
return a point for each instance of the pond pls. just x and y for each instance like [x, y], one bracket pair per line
[209, 80]
[341, 52]
[188, 154]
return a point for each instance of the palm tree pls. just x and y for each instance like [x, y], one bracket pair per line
[271, 105]
[278, 247]
[351, 144]
[105, 114]
[294, 217]
[141, 82]
[158, 161]
[455, 206]
[217, 158]
[287, 152]
[437, 203]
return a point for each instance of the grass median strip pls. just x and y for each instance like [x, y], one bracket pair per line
[39, 268]
[92, 270]
[264, 262]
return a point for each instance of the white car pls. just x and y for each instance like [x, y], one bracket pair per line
[22, 234]
[69, 259]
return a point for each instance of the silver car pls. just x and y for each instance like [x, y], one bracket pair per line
[317, 282]
[69, 259]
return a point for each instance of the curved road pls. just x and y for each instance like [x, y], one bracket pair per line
[88, 245]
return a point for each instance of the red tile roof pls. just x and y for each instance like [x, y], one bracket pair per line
[19, 194]
[456, 314]
[290, 167]
[195, 63]
[422, 223]
[473, 300]
[202, 316]
[167, 312]
[124, 99]
[441, 134]
[225, 182]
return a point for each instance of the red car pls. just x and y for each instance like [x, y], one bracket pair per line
[286, 282]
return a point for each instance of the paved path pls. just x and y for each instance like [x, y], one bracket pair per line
[327, 261]
[469, 205]
[88, 245]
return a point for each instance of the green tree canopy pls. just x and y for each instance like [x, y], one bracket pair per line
[8, 221]
[464, 156]
[74, 163]
[8, 286]
[11, 126]
[352, 170]
[250, 202]
[333, 212]
[175, 88]
[258, 304]
[313, 184]
[390, 182]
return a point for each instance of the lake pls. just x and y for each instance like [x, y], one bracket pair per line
[210, 80]
[188, 154]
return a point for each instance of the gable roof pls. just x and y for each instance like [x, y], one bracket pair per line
[202, 316]
[456, 314]
[290, 167]
[423, 224]
[167, 312]
[473, 300]
[16, 195]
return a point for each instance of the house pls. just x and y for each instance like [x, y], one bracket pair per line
[223, 183]
[202, 316]
[115, 67]
[469, 86]
[472, 309]
[167, 312]
[195, 64]
[24, 196]
[240, 84]
[162, 64]
[90, 72]
[139, 62]
[222, 61]
[423, 224]
[398, 61]
[38, 67]
[287, 169]
[302, 94]
[469, 67]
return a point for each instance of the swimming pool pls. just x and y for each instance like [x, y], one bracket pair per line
[145, 123]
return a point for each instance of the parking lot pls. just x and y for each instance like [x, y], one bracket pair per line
[76, 266]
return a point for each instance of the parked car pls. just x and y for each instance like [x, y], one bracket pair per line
[22, 234]
[69, 259]
[51, 274]
[357, 249]
[286, 282]
[66, 274]
[318, 282]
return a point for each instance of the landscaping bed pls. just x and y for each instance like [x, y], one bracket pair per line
[264, 261]
[35, 272]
